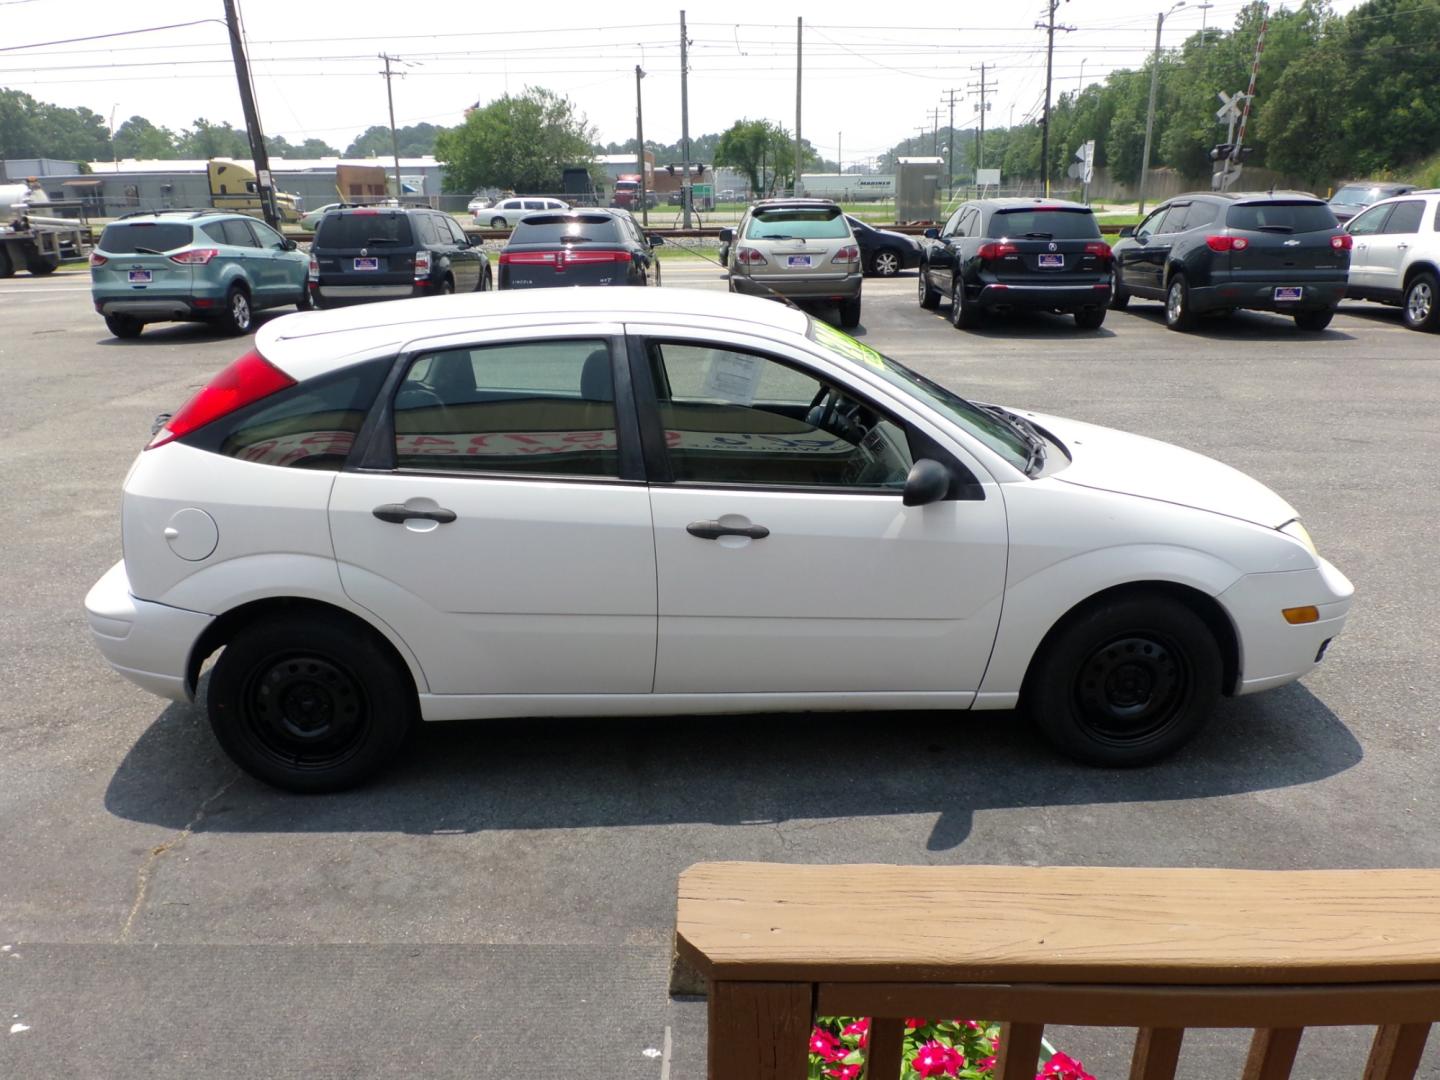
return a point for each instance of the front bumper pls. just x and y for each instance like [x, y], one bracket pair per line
[834, 287]
[1272, 651]
[1045, 297]
[150, 644]
[1260, 296]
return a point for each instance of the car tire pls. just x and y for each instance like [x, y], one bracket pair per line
[1124, 682]
[237, 317]
[1314, 319]
[1119, 298]
[7, 267]
[657, 273]
[486, 282]
[40, 264]
[886, 263]
[447, 286]
[498, 223]
[308, 705]
[124, 326]
[307, 300]
[1422, 303]
[1178, 314]
[963, 316]
[1090, 318]
[929, 295]
[850, 313]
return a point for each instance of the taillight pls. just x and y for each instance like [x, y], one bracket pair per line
[1342, 241]
[848, 253]
[422, 265]
[1226, 243]
[1100, 249]
[747, 256]
[314, 271]
[991, 252]
[96, 259]
[244, 382]
[568, 257]
[528, 258]
[195, 257]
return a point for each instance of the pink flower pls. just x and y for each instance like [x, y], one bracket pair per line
[856, 1027]
[936, 1059]
[844, 1072]
[985, 1064]
[1063, 1067]
[825, 1045]
[972, 1025]
[915, 1022]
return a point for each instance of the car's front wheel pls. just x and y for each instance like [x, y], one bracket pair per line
[886, 263]
[237, 317]
[1125, 682]
[309, 705]
[124, 326]
[1422, 302]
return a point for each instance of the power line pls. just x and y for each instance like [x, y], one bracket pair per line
[117, 33]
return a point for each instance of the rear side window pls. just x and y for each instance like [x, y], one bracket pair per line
[1406, 217]
[1197, 215]
[809, 222]
[312, 425]
[129, 239]
[1045, 224]
[553, 228]
[1284, 217]
[238, 234]
[364, 230]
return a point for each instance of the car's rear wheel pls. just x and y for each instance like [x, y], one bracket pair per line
[929, 295]
[885, 263]
[1090, 318]
[41, 264]
[1126, 682]
[1178, 315]
[850, 313]
[1119, 298]
[1314, 319]
[1422, 302]
[124, 326]
[307, 299]
[497, 223]
[964, 316]
[486, 284]
[309, 705]
[237, 317]
[447, 285]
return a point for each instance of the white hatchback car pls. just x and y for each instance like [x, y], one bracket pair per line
[566, 502]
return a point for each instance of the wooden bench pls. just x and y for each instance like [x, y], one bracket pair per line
[775, 946]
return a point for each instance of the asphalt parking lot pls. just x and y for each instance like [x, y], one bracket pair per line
[501, 904]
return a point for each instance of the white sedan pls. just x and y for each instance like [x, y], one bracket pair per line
[506, 213]
[568, 502]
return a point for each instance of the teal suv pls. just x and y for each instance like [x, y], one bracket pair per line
[193, 265]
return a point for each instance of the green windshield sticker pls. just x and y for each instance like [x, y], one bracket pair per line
[845, 345]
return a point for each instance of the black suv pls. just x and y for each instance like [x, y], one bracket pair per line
[1218, 252]
[599, 246]
[999, 254]
[365, 253]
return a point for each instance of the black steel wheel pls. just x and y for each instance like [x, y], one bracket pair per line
[308, 704]
[1125, 683]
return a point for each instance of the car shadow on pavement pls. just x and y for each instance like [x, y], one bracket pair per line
[1029, 324]
[182, 334]
[1238, 325]
[573, 774]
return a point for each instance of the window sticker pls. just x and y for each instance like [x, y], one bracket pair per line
[733, 377]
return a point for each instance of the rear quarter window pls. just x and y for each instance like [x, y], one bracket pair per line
[364, 230]
[553, 228]
[128, 239]
[1057, 224]
[1293, 217]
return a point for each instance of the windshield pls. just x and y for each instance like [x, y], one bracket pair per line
[138, 237]
[1048, 223]
[990, 429]
[795, 222]
[1356, 196]
[1282, 217]
[362, 229]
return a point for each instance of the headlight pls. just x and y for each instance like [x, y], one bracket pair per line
[1297, 531]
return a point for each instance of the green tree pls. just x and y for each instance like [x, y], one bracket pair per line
[139, 138]
[764, 152]
[417, 140]
[519, 142]
[207, 140]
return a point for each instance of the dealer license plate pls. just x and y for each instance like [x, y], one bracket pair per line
[367, 264]
[139, 277]
[1288, 292]
[798, 262]
[1051, 262]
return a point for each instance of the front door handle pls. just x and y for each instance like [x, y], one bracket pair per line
[399, 513]
[713, 530]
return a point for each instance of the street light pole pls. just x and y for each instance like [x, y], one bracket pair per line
[1150, 110]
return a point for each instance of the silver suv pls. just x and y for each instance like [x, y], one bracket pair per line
[1396, 257]
[797, 249]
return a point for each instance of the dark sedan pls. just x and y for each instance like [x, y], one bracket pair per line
[600, 246]
[884, 253]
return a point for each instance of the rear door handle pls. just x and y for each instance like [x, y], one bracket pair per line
[713, 530]
[399, 513]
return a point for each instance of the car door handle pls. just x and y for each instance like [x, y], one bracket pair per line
[713, 530]
[399, 513]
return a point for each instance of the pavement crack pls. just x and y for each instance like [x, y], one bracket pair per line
[147, 868]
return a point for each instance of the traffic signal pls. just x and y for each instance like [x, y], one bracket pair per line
[1242, 153]
[1222, 152]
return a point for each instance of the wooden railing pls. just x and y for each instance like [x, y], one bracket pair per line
[775, 946]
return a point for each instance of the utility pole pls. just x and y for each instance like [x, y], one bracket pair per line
[1049, 27]
[1150, 109]
[394, 138]
[950, 154]
[984, 88]
[799, 43]
[640, 146]
[935, 132]
[263, 183]
[685, 189]
[840, 152]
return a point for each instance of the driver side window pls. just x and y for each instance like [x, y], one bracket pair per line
[1152, 224]
[740, 418]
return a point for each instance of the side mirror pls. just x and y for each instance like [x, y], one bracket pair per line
[727, 235]
[655, 239]
[932, 234]
[290, 245]
[1126, 230]
[927, 482]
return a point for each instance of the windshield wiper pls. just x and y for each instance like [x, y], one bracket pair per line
[777, 236]
[381, 240]
[147, 251]
[1034, 441]
[1038, 236]
[1274, 228]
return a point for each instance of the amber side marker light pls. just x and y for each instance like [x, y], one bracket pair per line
[1295, 616]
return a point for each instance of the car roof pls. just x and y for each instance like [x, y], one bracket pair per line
[189, 213]
[799, 200]
[310, 344]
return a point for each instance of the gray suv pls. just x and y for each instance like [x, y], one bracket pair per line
[1396, 257]
[797, 249]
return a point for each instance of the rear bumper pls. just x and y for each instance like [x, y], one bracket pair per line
[1049, 297]
[1273, 652]
[846, 287]
[336, 295]
[148, 307]
[150, 644]
[1260, 295]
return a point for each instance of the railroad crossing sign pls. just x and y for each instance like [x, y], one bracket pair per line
[1231, 105]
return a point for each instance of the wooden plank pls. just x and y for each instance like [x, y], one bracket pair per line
[759, 1031]
[1157, 1053]
[1019, 1051]
[1395, 1053]
[1272, 1053]
[770, 921]
[882, 1055]
[1140, 1006]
